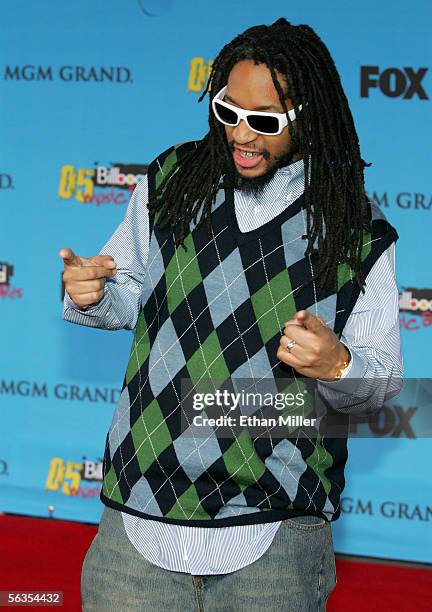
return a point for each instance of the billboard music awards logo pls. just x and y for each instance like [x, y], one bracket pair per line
[75, 478]
[68, 74]
[100, 185]
[199, 72]
[405, 83]
[415, 307]
[6, 290]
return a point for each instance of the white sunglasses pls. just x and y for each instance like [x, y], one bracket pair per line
[270, 124]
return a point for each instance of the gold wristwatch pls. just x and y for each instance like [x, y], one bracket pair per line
[344, 365]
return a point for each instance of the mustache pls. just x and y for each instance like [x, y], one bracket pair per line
[263, 152]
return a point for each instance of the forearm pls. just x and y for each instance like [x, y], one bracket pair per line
[374, 376]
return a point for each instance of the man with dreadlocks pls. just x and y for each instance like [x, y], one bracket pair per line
[252, 253]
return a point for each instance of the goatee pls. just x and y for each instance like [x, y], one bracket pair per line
[254, 186]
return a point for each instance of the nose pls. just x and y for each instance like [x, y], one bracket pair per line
[242, 134]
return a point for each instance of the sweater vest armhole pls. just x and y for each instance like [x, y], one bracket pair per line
[383, 235]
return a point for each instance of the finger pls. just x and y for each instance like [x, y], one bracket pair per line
[300, 334]
[69, 257]
[291, 346]
[107, 261]
[293, 322]
[86, 273]
[307, 347]
[87, 299]
[81, 288]
[288, 358]
[311, 322]
[301, 353]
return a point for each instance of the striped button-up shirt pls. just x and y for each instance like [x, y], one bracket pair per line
[371, 334]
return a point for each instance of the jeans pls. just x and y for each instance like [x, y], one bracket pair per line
[296, 573]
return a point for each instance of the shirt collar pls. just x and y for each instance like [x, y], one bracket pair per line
[293, 171]
[278, 185]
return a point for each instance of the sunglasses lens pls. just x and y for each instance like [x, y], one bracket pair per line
[268, 125]
[224, 114]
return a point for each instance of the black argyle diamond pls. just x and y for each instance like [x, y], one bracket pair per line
[212, 494]
[167, 479]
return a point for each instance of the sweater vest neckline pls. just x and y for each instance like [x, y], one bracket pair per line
[242, 237]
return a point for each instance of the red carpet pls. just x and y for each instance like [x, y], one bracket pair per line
[43, 554]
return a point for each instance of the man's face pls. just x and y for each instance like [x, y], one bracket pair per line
[250, 86]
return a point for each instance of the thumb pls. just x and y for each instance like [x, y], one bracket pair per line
[69, 257]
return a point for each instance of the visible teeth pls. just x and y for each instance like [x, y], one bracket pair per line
[247, 154]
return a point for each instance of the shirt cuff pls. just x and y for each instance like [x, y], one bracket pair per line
[72, 312]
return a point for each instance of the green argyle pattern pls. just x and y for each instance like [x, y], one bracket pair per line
[216, 311]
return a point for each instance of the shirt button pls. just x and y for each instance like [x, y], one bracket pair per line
[289, 196]
[256, 209]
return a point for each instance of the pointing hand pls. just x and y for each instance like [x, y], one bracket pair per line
[84, 277]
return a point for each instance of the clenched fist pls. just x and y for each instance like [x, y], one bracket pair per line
[312, 348]
[84, 277]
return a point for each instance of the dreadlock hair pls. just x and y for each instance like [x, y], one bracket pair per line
[335, 201]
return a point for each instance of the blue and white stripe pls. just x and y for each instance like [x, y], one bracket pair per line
[371, 334]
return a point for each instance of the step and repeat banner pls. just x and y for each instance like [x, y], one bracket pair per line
[90, 92]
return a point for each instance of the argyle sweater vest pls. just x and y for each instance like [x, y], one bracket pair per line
[217, 310]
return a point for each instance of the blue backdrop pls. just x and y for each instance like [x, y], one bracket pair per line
[90, 92]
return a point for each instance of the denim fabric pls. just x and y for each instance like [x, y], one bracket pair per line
[295, 574]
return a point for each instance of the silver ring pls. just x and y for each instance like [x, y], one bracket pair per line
[290, 345]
